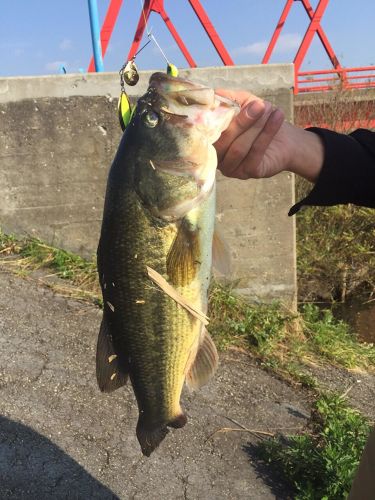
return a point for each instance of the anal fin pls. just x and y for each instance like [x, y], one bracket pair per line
[205, 364]
[109, 373]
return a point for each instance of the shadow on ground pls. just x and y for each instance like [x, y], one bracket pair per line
[276, 484]
[32, 467]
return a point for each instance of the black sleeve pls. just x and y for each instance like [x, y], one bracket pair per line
[348, 172]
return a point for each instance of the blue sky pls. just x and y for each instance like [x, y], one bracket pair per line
[38, 36]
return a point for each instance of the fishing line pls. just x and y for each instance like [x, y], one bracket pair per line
[144, 16]
[140, 50]
[150, 35]
[158, 46]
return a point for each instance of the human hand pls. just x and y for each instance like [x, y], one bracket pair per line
[259, 143]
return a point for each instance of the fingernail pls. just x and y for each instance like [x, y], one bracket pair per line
[277, 115]
[254, 109]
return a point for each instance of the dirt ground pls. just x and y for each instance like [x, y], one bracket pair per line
[61, 438]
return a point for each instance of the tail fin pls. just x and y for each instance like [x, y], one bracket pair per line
[150, 438]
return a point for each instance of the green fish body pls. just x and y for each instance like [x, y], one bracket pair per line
[159, 214]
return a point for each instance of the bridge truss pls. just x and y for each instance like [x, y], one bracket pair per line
[305, 81]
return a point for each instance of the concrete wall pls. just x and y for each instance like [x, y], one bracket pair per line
[353, 95]
[58, 135]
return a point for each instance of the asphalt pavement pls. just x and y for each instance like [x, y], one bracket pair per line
[60, 438]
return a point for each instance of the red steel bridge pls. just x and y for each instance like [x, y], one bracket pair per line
[305, 81]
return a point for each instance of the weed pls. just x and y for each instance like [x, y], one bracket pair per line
[322, 463]
[332, 339]
[33, 254]
[236, 322]
[8, 244]
[297, 372]
[335, 252]
[284, 341]
[335, 245]
[340, 110]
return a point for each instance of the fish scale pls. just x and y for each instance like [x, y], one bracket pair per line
[158, 323]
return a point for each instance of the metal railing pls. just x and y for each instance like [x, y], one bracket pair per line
[333, 79]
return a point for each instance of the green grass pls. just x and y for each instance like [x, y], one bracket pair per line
[285, 341]
[332, 339]
[236, 322]
[67, 265]
[30, 254]
[335, 252]
[320, 464]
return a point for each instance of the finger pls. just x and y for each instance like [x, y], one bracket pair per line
[252, 165]
[243, 121]
[240, 96]
[242, 144]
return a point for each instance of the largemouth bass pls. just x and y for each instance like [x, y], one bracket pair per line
[154, 253]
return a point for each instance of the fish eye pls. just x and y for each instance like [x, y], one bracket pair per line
[150, 118]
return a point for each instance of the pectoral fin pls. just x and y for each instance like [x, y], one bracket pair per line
[178, 211]
[204, 365]
[109, 373]
[220, 254]
[184, 255]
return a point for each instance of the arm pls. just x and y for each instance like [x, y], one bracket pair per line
[348, 170]
[259, 143]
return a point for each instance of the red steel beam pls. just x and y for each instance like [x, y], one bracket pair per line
[178, 39]
[314, 27]
[326, 76]
[157, 6]
[337, 79]
[107, 29]
[307, 39]
[277, 31]
[322, 88]
[143, 18]
[323, 38]
[359, 77]
[310, 32]
[347, 70]
[211, 32]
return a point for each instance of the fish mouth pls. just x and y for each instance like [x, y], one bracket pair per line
[182, 91]
[194, 104]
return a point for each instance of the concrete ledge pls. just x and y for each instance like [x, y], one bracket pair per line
[259, 78]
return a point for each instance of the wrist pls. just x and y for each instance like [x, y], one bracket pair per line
[307, 153]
